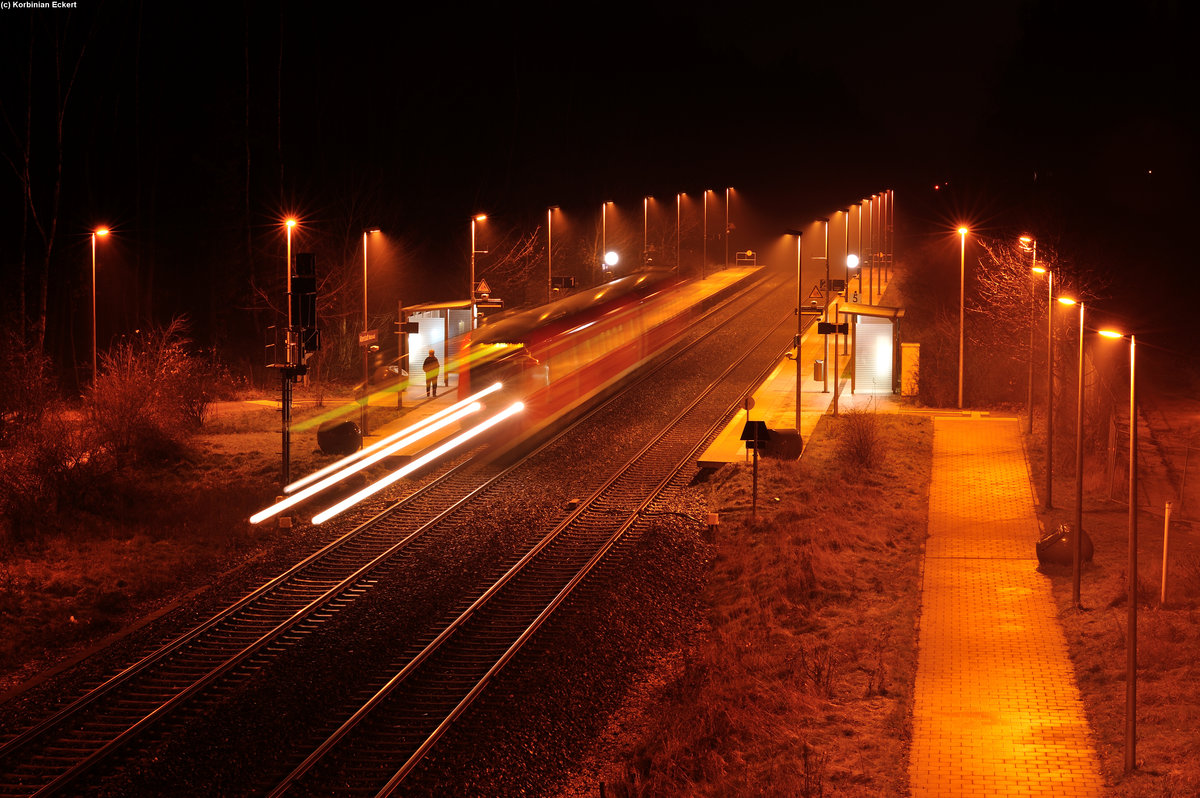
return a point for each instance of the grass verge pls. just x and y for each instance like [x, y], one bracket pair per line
[799, 679]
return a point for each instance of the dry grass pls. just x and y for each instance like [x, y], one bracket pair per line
[148, 534]
[801, 683]
[1168, 677]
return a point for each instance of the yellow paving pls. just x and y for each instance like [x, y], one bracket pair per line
[996, 711]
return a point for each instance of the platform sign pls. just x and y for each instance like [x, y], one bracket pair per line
[755, 434]
[816, 293]
[367, 337]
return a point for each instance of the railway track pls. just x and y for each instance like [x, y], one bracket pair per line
[438, 681]
[55, 753]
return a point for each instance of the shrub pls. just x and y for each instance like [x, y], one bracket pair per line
[859, 442]
[149, 394]
[45, 464]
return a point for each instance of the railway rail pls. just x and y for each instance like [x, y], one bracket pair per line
[57, 752]
[439, 681]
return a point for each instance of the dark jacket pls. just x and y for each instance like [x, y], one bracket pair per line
[431, 366]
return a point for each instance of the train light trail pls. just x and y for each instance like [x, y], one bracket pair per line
[420, 462]
[420, 425]
[354, 468]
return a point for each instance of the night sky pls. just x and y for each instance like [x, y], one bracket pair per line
[193, 129]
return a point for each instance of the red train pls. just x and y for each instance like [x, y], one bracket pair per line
[558, 357]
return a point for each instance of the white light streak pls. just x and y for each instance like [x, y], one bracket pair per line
[433, 419]
[354, 468]
[421, 461]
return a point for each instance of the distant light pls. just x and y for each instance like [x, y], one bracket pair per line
[851, 261]
[1066, 300]
[102, 231]
[962, 231]
[1026, 240]
[1111, 334]
[936, 187]
[611, 258]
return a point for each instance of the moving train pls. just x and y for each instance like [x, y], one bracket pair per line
[558, 357]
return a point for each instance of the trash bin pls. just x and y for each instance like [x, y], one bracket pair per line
[339, 437]
[1058, 548]
[818, 370]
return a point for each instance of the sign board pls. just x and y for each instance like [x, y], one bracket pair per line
[816, 293]
[483, 288]
[829, 328]
[755, 432]
[368, 337]
[491, 303]
[748, 403]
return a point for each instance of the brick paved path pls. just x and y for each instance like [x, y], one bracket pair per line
[996, 710]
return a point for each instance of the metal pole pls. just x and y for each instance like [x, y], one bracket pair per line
[704, 247]
[1077, 555]
[1049, 388]
[727, 190]
[825, 363]
[549, 255]
[603, 235]
[962, 282]
[366, 398]
[1032, 312]
[846, 268]
[799, 332]
[1162, 594]
[871, 250]
[471, 287]
[678, 200]
[1131, 631]
[645, 227]
[94, 306]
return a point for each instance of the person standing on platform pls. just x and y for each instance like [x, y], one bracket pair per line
[432, 369]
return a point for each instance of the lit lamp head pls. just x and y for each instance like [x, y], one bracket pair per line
[1038, 270]
[481, 217]
[101, 231]
[851, 261]
[1111, 333]
[962, 231]
[1066, 300]
[610, 259]
[289, 223]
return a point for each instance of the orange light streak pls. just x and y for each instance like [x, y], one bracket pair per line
[345, 461]
[421, 461]
[312, 490]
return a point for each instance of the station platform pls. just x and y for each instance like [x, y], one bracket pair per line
[418, 407]
[775, 402]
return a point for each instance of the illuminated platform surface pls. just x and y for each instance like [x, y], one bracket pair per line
[996, 709]
[775, 400]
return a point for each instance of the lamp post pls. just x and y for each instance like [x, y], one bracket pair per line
[1132, 580]
[1028, 242]
[1077, 546]
[704, 248]
[550, 252]
[962, 282]
[799, 328]
[846, 282]
[727, 192]
[99, 232]
[603, 235]
[1049, 385]
[645, 227]
[366, 349]
[678, 203]
[479, 217]
[286, 373]
[870, 252]
[825, 353]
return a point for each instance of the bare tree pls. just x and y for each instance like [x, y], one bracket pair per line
[41, 179]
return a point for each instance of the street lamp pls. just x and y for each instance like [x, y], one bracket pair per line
[962, 282]
[678, 203]
[1049, 381]
[704, 249]
[550, 252]
[479, 217]
[288, 224]
[1132, 578]
[99, 232]
[1078, 542]
[1028, 242]
[366, 348]
[603, 234]
[727, 226]
[645, 227]
[799, 326]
